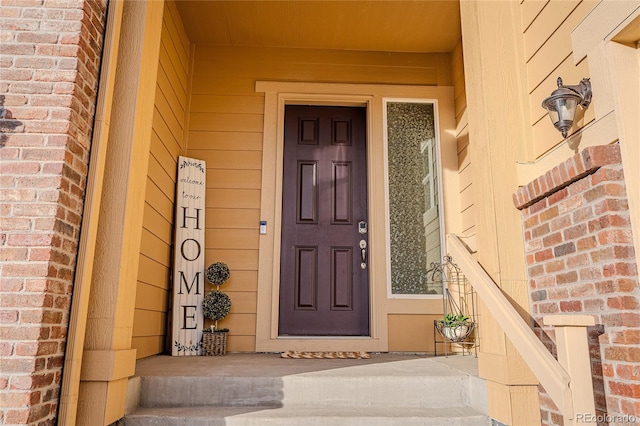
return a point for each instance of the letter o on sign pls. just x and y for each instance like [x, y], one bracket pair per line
[187, 250]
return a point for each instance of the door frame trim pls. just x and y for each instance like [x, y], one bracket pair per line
[276, 96]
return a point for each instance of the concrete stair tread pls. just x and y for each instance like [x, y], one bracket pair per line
[258, 390]
[405, 383]
[308, 415]
[274, 366]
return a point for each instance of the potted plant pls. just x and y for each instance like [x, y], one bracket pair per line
[216, 306]
[455, 327]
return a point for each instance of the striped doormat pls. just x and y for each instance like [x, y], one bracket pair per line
[325, 355]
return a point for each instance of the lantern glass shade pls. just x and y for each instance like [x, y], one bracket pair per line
[562, 110]
[562, 103]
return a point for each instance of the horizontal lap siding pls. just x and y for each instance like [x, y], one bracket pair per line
[465, 174]
[167, 143]
[225, 129]
[547, 28]
[457, 71]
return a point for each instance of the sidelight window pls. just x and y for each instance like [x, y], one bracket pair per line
[414, 219]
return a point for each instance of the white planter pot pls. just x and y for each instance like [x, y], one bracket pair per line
[455, 333]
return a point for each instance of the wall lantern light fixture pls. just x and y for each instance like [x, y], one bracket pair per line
[562, 103]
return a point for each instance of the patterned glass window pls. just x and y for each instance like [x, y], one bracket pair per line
[413, 207]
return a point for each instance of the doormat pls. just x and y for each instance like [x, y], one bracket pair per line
[325, 355]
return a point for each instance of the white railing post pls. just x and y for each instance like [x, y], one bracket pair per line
[573, 356]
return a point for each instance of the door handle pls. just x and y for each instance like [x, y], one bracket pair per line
[363, 253]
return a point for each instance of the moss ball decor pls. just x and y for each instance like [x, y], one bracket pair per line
[216, 305]
[217, 273]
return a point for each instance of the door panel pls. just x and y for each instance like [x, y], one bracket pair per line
[341, 278]
[306, 285]
[324, 290]
[341, 187]
[307, 192]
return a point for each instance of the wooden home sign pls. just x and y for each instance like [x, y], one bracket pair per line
[188, 268]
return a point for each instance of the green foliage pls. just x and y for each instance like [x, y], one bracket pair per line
[217, 273]
[454, 320]
[216, 305]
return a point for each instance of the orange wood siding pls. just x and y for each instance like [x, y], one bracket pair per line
[167, 142]
[226, 124]
[467, 196]
[457, 69]
[467, 219]
[547, 26]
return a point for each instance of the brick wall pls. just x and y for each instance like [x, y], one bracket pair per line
[580, 257]
[49, 61]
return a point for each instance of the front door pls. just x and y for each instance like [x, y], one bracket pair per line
[324, 287]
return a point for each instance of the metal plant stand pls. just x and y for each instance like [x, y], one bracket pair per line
[455, 286]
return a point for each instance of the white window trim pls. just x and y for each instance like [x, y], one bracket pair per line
[439, 202]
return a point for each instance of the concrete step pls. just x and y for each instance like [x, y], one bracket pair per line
[308, 416]
[257, 390]
[410, 383]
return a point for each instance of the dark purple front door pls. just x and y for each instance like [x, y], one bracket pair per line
[324, 286]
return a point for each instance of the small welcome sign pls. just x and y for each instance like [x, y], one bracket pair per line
[188, 271]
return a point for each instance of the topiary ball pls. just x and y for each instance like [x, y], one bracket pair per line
[216, 305]
[217, 273]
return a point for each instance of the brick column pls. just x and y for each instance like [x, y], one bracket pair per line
[580, 258]
[50, 52]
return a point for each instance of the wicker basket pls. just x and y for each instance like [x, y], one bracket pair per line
[214, 343]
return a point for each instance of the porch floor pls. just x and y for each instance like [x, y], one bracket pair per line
[272, 365]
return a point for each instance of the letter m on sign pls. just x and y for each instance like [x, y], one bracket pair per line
[188, 261]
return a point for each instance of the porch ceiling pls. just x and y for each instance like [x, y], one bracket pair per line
[393, 26]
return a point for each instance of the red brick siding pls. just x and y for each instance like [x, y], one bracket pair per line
[50, 53]
[580, 256]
